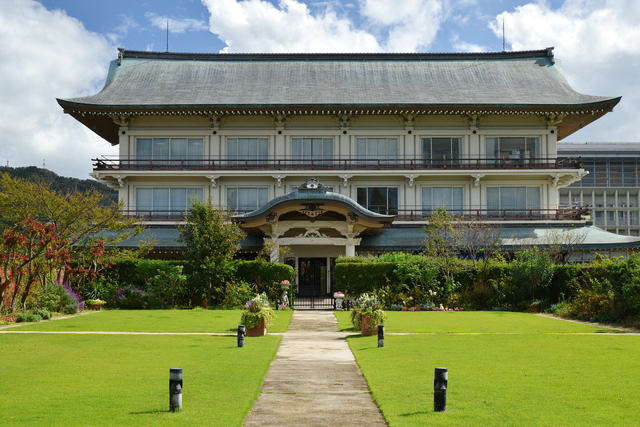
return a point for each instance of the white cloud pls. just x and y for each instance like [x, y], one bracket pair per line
[597, 42]
[259, 26]
[177, 26]
[411, 24]
[47, 55]
[468, 47]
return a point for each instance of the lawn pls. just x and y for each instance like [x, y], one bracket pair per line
[203, 321]
[499, 322]
[522, 370]
[108, 380]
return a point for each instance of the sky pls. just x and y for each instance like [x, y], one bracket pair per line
[62, 48]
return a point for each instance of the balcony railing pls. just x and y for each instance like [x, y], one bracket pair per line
[333, 163]
[566, 213]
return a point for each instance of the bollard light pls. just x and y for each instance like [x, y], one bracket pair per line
[175, 389]
[348, 304]
[380, 335]
[440, 380]
[277, 304]
[240, 335]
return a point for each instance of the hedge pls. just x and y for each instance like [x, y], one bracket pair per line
[266, 277]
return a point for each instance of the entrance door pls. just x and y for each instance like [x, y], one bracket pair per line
[312, 277]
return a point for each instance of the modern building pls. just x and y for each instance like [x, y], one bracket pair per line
[386, 138]
[611, 187]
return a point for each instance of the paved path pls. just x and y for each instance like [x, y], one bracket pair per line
[314, 379]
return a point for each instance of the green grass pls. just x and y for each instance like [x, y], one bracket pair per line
[208, 321]
[500, 322]
[109, 380]
[500, 380]
[505, 368]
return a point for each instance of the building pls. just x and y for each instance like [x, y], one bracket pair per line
[385, 137]
[611, 188]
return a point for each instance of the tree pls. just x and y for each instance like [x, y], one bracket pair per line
[444, 239]
[211, 240]
[43, 232]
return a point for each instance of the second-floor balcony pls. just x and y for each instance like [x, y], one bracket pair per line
[339, 163]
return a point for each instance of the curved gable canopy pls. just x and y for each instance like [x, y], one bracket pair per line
[312, 201]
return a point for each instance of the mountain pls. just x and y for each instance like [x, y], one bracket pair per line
[60, 183]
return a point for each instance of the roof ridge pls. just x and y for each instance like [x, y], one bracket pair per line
[548, 52]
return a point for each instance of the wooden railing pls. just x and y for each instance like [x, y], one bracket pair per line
[334, 163]
[566, 213]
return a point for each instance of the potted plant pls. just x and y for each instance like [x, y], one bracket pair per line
[533, 306]
[94, 304]
[367, 314]
[258, 316]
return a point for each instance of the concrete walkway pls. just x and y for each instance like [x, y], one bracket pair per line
[314, 379]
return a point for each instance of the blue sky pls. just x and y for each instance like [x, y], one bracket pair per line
[61, 48]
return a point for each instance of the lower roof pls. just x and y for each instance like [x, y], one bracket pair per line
[411, 238]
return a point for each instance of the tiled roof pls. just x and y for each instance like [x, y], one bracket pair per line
[411, 238]
[503, 79]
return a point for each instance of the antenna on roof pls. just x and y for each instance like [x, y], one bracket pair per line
[503, 49]
[167, 34]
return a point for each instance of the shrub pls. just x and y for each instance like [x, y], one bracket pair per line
[533, 269]
[70, 302]
[631, 284]
[132, 298]
[169, 283]
[28, 317]
[43, 312]
[593, 303]
[56, 297]
[237, 294]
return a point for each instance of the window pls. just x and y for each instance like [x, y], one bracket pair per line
[241, 150]
[246, 199]
[589, 166]
[599, 218]
[437, 150]
[177, 149]
[629, 170]
[601, 173]
[510, 200]
[513, 148]
[383, 200]
[449, 198]
[320, 150]
[163, 201]
[374, 150]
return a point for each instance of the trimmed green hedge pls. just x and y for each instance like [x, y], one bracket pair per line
[614, 284]
[264, 276]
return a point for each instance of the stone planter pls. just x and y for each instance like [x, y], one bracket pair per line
[366, 328]
[338, 298]
[94, 306]
[257, 331]
[284, 298]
